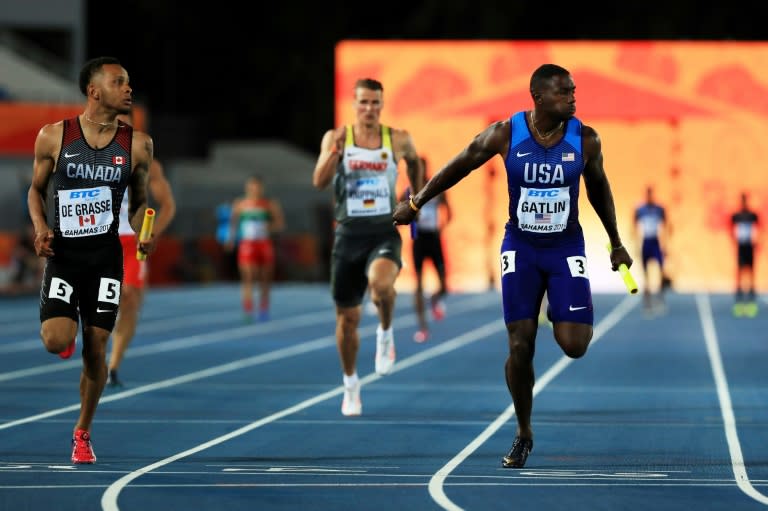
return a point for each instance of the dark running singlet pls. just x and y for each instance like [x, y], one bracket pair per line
[88, 187]
[364, 187]
[543, 184]
[744, 224]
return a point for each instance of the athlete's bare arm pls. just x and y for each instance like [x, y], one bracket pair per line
[488, 143]
[47, 147]
[599, 194]
[330, 153]
[142, 154]
[162, 195]
[234, 219]
[277, 219]
[404, 148]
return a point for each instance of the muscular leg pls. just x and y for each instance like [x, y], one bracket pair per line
[381, 278]
[246, 286]
[443, 281]
[418, 302]
[125, 327]
[94, 374]
[57, 333]
[347, 337]
[519, 372]
[573, 338]
[265, 275]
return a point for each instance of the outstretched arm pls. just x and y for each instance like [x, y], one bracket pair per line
[600, 196]
[488, 143]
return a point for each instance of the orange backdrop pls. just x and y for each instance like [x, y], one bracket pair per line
[21, 122]
[685, 117]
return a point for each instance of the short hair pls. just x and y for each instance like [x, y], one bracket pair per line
[369, 83]
[545, 72]
[92, 67]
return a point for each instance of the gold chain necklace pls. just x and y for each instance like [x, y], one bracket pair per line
[105, 124]
[546, 135]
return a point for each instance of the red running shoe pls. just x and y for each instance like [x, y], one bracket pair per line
[82, 451]
[69, 349]
[438, 310]
[421, 336]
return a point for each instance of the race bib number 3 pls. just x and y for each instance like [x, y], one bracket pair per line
[507, 262]
[578, 266]
[85, 211]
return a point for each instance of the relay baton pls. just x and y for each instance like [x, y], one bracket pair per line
[626, 276]
[146, 231]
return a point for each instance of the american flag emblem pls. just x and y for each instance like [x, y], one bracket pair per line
[543, 218]
[569, 157]
[87, 219]
[118, 160]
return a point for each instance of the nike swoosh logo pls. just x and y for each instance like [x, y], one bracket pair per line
[520, 155]
[67, 155]
[572, 308]
[99, 309]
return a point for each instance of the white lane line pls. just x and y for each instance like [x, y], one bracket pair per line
[723, 394]
[170, 324]
[109, 498]
[472, 303]
[437, 482]
[222, 335]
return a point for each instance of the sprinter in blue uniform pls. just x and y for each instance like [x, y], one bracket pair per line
[651, 227]
[546, 152]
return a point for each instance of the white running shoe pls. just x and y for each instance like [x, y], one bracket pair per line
[351, 404]
[385, 351]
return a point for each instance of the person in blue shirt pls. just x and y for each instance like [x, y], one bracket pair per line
[651, 227]
[546, 152]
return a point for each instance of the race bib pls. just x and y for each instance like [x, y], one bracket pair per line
[85, 211]
[543, 209]
[254, 230]
[368, 196]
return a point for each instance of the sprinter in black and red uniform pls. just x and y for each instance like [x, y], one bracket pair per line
[89, 161]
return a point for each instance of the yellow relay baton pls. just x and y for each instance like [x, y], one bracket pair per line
[146, 231]
[626, 276]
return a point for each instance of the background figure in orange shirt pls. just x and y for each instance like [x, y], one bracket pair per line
[428, 245]
[255, 218]
[744, 224]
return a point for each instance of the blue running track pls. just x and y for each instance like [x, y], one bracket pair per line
[663, 413]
